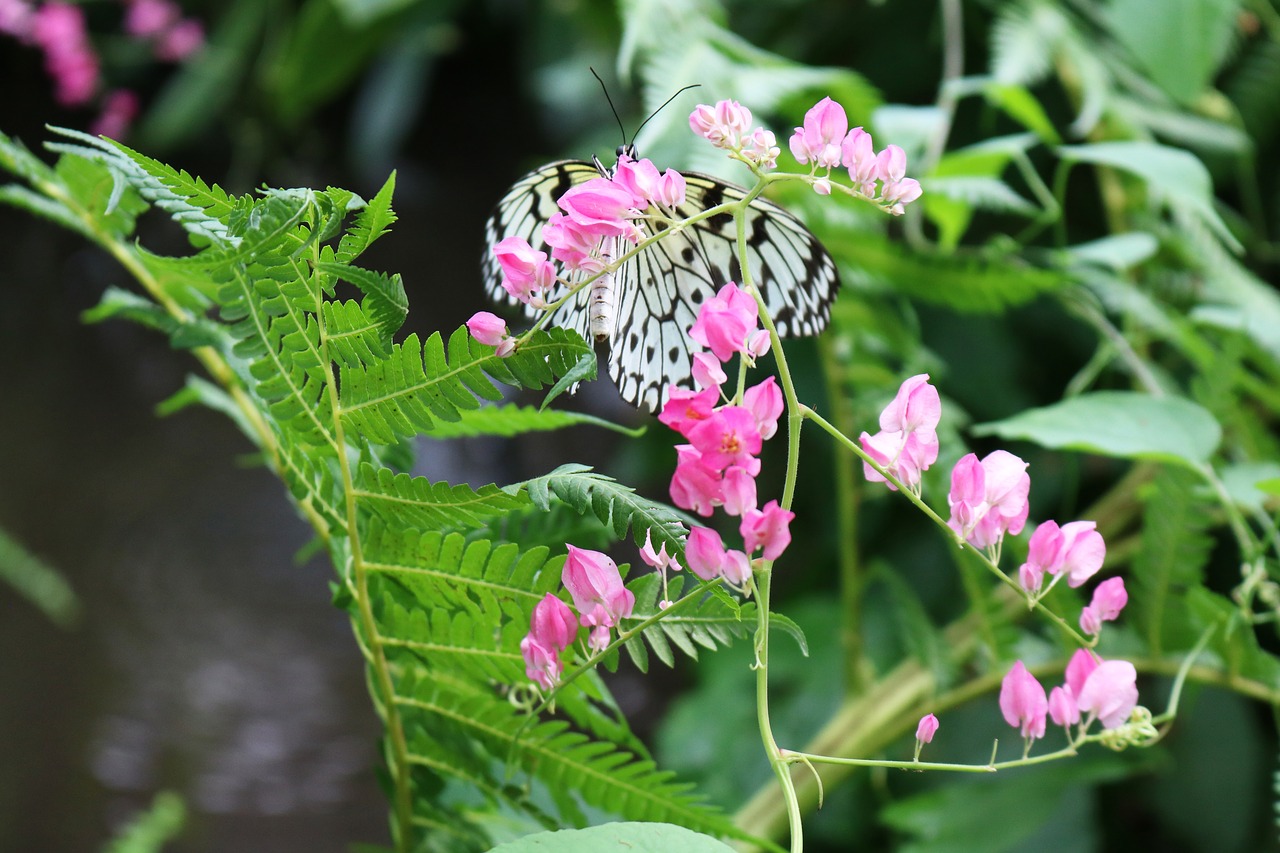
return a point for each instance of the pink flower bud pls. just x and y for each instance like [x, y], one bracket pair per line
[671, 188]
[1062, 707]
[739, 491]
[1079, 668]
[825, 126]
[759, 343]
[704, 553]
[858, 156]
[707, 371]
[725, 321]
[915, 408]
[1023, 703]
[596, 586]
[765, 403]
[489, 329]
[736, 568]
[552, 628]
[1109, 598]
[658, 559]
[927, 728]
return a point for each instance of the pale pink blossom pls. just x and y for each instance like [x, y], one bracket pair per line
[146, 18]
[571, 244]
[17, 18]
[525, 270]
[1079, 668]
[659, 559]
[671, 189]
[694, 486]
[907, 443]
[1062, 707]
[59, 29]
[489, 329]
[593, 580]
[988, 498]
[819, 140]
[708, 372]
[1083, 551]
[764, 402]
[723, 124]
[758, 343]
[1023, 703]
[1110, 693]
[638, 177]
[858, 155]
[767, 528]
[927, 728]
[601, 208]
[896, 189]
[761, 147]
[736, 568]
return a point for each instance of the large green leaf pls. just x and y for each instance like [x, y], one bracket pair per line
[1126, 424]
[630, 837]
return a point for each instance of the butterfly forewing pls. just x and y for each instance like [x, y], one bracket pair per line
[658, 291]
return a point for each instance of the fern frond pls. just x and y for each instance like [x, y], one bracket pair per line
[710, 623]
[374, 220]
[416, 502]
[618, 506]
[353, 338]
[508, 420]
[416, 385]
[386, 303]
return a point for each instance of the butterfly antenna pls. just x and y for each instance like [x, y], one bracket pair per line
[678, 93]
[614, 109]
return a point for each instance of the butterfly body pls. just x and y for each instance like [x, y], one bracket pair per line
[645, 308]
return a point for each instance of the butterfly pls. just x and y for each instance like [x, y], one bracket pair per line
[646, 308]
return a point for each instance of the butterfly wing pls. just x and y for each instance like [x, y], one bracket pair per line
[660, 290]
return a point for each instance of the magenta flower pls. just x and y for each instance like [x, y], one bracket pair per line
[1062, 707]
[571, 244]
[1023, 703]
[765, 403]
[685, 409]
[1044, 555]
[767, 528]
[927, 728]
[694, 486]
[988, 498]
[704, 553]
[1110, 693]
[738, 491]
[596, 586]
[671, 189]
[601, 208]
[820, 139]
[1109, 598]
[728, 437]
[551, 630]
[60, 31]
[488, 329]
[725, 321]
[525, 270]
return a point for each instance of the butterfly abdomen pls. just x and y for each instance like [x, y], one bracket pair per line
[603, 300]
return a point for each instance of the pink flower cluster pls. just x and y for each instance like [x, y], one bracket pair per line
[826, 142]
[719, 464]
[595, 584]
[1093, 689]
[59, 30]
[727, 125]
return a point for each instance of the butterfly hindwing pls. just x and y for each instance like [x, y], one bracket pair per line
[657, 293]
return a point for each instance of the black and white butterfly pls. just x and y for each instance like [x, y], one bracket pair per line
[655, 295]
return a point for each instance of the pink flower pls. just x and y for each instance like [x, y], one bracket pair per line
[17, 19]
[1079, 668]
[765, 403]
[707, 371]
[767, 528]
[638, 177]
[571, 245]
[600, 207]
[738, 490]
[59, 29]
[180, 41]
[685, 409]
[704, 553]
[723, 125]
[1044, 554]
[1062, 707]
[1082, 551]
[724, 322]
[761, 147]
[694, 486]
[146, 18]
[1023, 703]
[1110, 693]
[907, 443]
[489, 329]
[119, 109]
[896, 189]
[1109, 598]
[525, 271]
[552, 628]
[988, 498]
[728, 437]
[819, 140]
[858, 156]
[915, 408]
[659, 559]
[596, 586]
[927, 728]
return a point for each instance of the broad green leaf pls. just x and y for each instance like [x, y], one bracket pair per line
[629, 837]
[1020, 105]
[1118, 251]
[1248, 483]
[1126, 424]
[1175, 174]
[1179, 43]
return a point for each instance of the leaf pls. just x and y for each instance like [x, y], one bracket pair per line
[1020, 105]
[630, 837]
[509, 420]
[388, 305]
[416, 502]
[37, 582]
[1174, 174]
[777, 620]
[1182, 46]
[1117, 251]
[1126, 424]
